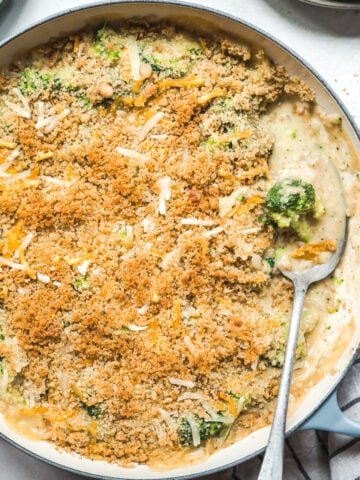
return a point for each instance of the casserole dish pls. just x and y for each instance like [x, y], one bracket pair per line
[248, 446]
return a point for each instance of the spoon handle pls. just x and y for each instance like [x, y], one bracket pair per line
[272, 466]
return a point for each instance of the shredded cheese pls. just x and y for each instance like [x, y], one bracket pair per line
[9, 263]
[246, 231]
[214, 231]
[160, 432]
[83, 267]
[48, 124]
[56, 181]
[217, 92]
[147, 223]
[180, 82]
[191, 347]
[181, 383]
[134, 58]
[8, 162]
[7, 144]
[195, 430]
[132, 153]
[23, 111]
[23, 291]
[142, 310]
[128, 254]
[15, 177]
[149, 125]
[165, 194]
[196, 221]
[43, 156]
[43, 278]
[136, 328]
[25, 242]
[167, 418]
[190, 396]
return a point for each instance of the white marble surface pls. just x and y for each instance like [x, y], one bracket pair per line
[327, 39]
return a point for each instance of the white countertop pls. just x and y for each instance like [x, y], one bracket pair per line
[327, 39]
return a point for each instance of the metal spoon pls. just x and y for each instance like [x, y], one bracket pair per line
[272, 466]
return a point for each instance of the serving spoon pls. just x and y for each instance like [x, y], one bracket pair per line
[272, 466]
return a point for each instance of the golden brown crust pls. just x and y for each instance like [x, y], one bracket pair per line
[197, 289]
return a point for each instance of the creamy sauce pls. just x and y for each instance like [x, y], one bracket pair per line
[29, 426]
[306, 149]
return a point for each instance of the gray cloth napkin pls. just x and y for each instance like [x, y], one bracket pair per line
[309, 455]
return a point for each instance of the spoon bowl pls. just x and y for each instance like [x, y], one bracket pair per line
[272, 466]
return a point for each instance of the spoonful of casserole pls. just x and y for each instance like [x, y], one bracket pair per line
[296, 209]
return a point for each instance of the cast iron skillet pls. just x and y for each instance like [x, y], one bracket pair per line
[320, 408]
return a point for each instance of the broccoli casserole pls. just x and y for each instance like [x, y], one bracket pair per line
[142, 315]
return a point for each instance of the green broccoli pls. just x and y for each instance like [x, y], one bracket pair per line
[81, 284]
[290, 199]
[33, 80]
[93, 410]
[208, 429]
[103, 44]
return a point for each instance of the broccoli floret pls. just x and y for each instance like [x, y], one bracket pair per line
[184, 433]
[271, 262]
[208, 429]
[302, 229]
[33, 80]
[102, 40]
[93, 410]
[288, 200]
[81, 284]
[211, 429]
[291, 196]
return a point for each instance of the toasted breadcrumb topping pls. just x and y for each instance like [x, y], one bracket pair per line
[136, 298]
